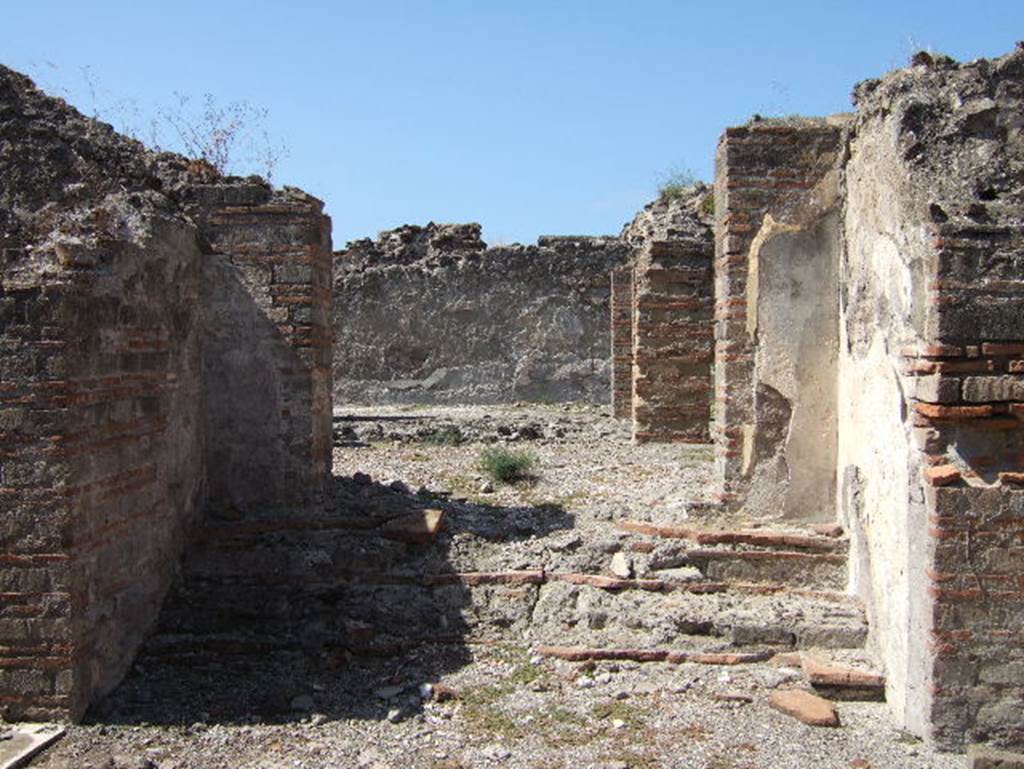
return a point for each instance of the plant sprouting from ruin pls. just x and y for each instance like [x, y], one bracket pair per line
[228, 135]
[677, 183]
[232, 136]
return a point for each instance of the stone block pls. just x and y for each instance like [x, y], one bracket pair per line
[984, 757]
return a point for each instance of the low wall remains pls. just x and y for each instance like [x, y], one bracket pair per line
[432, 315]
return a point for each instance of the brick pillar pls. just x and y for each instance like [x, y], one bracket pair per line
[762, 170]
[622, 341]
[268, 296]
[672, 341]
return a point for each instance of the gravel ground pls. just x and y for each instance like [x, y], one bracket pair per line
[585, 460]
[472, 706]
[507, 709]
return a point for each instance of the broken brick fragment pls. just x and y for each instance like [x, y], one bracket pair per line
[806, 707]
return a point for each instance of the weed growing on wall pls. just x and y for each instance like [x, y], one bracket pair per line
[507, 466]
[677, 184]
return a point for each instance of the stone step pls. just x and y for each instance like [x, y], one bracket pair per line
[318, 549]
[769, 538]
[534, 607]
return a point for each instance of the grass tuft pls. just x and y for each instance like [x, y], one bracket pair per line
[507, 466]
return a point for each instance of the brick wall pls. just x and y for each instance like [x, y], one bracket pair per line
[672, 341]
[267, 353]
[622, 341]
[101, 463]
[932, 382]
[773, 180]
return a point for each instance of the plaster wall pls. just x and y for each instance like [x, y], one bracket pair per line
[881, 497]
[431, 315]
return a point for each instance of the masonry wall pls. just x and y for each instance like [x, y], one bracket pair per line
[672, 341]
[931, 437]
[777, 251]
[431, 315]
[148, 307]
[102, 457]
[622, 342]
[267, 352]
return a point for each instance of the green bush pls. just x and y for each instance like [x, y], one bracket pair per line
[507, 466]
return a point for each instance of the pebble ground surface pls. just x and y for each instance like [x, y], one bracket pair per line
[471, 706]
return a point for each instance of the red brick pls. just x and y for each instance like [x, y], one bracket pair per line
[1003, 348]
[937, 411]
[942, 475]
[932, 351]
[806, 707]
[1012, 478]
[824, 674]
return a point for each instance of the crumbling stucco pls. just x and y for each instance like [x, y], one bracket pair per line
[432, 315]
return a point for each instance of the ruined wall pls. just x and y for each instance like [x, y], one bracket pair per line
[431, 315]
[622, 342]
[931, 439]
[101, 469]
[117, 311]
[672, 326]
[267, 352]
[776, 320]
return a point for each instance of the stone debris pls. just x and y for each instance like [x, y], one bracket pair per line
[804, 706]
[621, 566]
[984, 757]
[416, 528]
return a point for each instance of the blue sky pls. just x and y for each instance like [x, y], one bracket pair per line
[546, 117]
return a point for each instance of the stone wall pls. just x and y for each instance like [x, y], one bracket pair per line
[431, 315]
[932, 378]
[123, 302]
[777, 252]
[672, 325]
[622, 342]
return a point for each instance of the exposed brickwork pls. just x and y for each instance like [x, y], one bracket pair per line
[673, 341]
[622, 341]
[946, 251]
[101, 472]
[118, 341]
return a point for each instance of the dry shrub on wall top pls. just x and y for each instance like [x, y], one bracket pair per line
[232, 137]
[222, 134]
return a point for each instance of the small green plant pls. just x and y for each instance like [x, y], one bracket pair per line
[446, 435]
[507, 466]
[707, 205]
[677, 184]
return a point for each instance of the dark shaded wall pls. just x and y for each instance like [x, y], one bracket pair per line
[267, 351]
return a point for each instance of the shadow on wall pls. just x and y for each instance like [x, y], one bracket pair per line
[329, 610]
